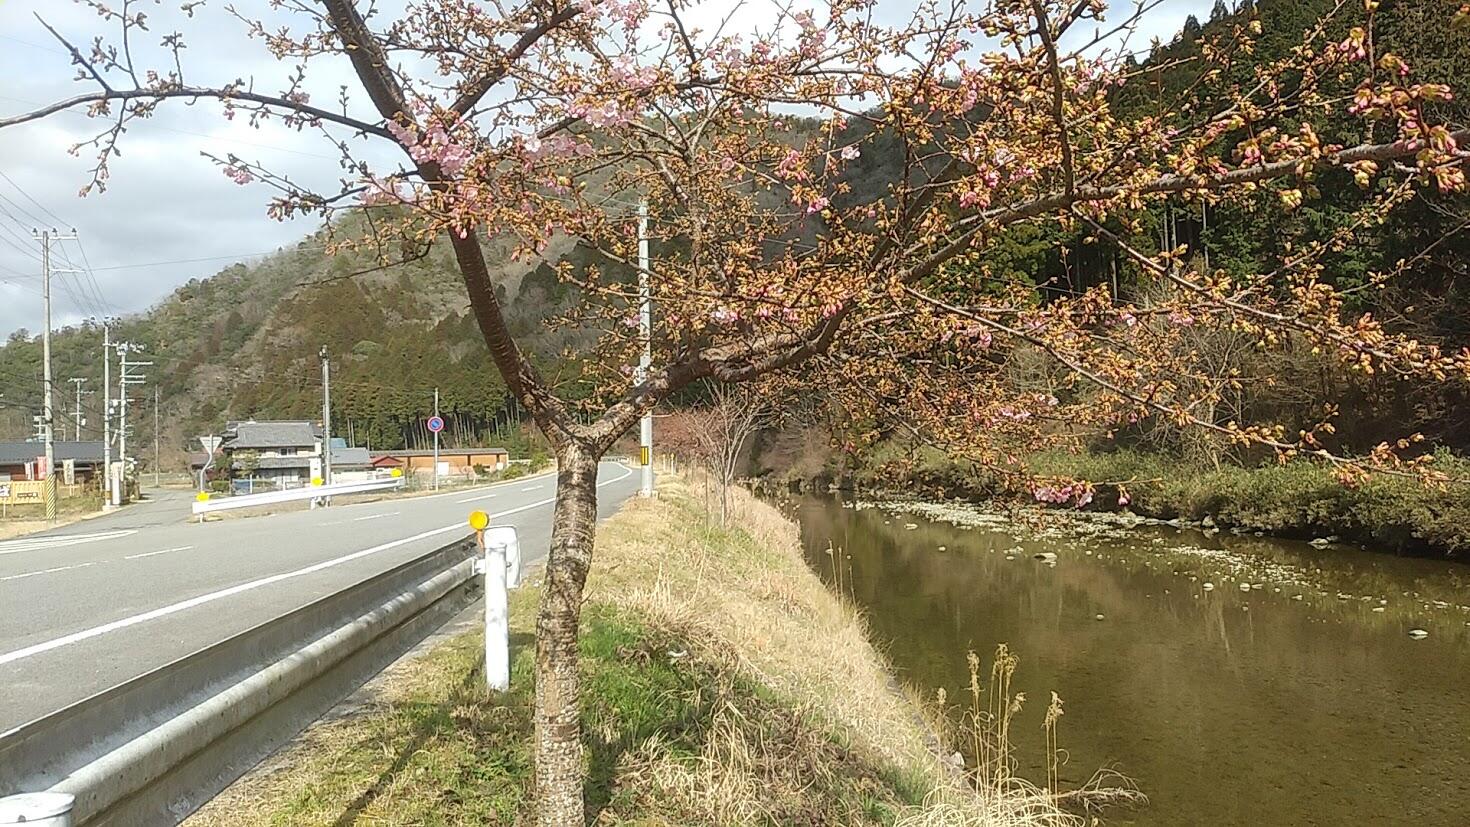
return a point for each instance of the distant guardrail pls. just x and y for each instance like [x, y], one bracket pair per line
[307, 493]
[152, 750]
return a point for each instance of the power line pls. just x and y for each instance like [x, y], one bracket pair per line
[31, 218]
[39, 205]
[93, 303]
[236, 256]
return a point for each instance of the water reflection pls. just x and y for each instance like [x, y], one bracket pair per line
[1226, 706]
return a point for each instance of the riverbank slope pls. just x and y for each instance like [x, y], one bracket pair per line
[724, 685]
[1300, 500]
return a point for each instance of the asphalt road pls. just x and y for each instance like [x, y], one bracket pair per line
[93, 604]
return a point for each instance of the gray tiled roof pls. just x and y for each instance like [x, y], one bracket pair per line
[286, 434]
[84, 452]
[343, 458]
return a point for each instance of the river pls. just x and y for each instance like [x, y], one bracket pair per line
[1300, 700]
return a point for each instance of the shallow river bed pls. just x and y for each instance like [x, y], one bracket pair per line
[1237, 680]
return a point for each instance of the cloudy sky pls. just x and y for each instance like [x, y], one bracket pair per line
[168, 214]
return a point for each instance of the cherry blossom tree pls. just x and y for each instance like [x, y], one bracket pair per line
[828, 185]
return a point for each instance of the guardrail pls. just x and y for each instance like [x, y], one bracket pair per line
[153, 749]
[307, 493]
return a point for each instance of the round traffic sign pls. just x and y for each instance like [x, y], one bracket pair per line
[436, 424]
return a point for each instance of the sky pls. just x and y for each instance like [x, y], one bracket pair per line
[168, 215]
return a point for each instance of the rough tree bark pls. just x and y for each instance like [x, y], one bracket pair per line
[558, 688]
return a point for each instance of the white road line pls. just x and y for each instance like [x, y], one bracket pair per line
[501, 484]
[60, 541]
[375, 516]
[475, 499]
[532, 488]
[174, 608]
[152, 553]
[48, 571]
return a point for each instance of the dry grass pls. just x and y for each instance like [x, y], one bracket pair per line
[747, 594]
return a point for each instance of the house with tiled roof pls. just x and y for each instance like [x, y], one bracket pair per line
[286, 453]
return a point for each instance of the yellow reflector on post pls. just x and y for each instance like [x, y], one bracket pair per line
[643, 455]
[202, 496]
[479, 520]
[316, 481]
[396, 473]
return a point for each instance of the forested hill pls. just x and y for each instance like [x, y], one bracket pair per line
[244, 343]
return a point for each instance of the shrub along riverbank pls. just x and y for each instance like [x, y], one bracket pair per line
[1302, 499]
[724, 686]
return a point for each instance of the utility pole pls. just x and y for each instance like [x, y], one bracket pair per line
[155, 436]
[106, 414]
[326, 418]
[48, 412]
[124, 379]
[436, 441]
[645, 361]
[77, 413]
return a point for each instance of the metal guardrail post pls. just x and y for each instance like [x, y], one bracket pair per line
[38, 809]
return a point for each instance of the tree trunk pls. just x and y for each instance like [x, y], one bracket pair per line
[558, 728]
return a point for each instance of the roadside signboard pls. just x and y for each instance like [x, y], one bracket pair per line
[436, 424]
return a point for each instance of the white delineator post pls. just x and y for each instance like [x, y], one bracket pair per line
[38, 809]
[502, 569]
[645, 360]
[497, 620]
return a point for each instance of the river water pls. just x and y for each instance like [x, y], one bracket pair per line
[1303, 700]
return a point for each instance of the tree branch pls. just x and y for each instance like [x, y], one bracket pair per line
[195, 92]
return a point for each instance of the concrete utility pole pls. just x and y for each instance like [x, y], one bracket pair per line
[77, 413]
[124, 379]
[645, 361]
[326, 418]
[436, 441]
[106, 414]
[155, 436]
[48, 411]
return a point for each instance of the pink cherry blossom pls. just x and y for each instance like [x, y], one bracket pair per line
[239, 174]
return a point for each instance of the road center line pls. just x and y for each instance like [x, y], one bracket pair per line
[375, 516]
[59, 541]
[475, 499]
[151, 553]
[174, 608]
[48, 571]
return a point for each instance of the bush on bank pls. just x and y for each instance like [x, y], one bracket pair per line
[1302, 499]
